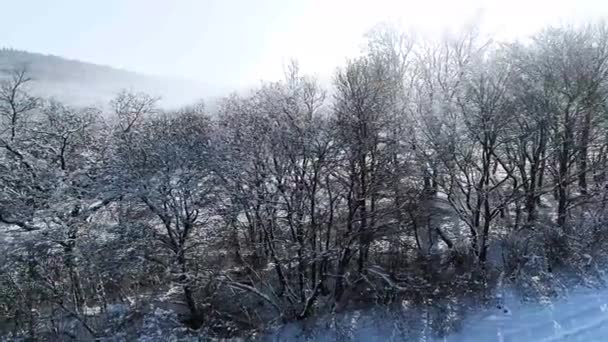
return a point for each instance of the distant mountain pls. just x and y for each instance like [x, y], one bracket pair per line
[81, 83]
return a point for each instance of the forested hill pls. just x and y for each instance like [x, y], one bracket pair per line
[81, 83]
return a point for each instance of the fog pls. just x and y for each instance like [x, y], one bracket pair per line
[237, 43]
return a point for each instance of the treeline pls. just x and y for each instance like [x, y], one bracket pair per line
[430, 169]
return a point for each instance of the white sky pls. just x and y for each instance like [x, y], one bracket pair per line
[236, 43]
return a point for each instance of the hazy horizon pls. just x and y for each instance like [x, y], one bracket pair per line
[239, 43]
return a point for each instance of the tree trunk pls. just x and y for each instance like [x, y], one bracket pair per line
[563, 172]
[69, 251]
[584, 145]
[196, 318]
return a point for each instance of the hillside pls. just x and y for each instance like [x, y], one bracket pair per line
[80, 83]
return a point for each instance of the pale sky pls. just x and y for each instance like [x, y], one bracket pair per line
[240, 42]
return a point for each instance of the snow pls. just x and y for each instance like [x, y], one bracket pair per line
[582, 316]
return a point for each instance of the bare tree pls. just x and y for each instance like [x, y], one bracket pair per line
[169, 174]
[15, 103]
[130, 107]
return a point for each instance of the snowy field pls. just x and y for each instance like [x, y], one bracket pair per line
[582, 316]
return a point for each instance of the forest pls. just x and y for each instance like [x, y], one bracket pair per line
[431, 173]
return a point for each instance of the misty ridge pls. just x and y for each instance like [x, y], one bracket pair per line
[84, 84]
[437, 189]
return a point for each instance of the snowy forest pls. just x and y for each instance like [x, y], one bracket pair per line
[429, 176]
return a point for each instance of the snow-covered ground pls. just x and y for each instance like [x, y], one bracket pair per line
[582, 316]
